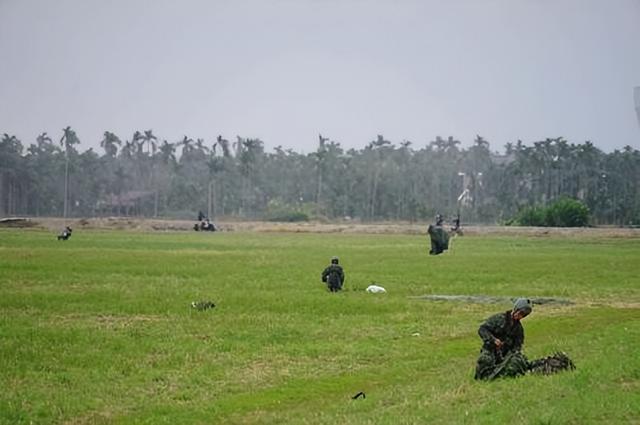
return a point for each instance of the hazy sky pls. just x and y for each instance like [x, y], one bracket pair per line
[284, 71]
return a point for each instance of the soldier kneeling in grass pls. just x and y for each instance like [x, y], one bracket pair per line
[333, 275]
[501, 356]
[502, 336]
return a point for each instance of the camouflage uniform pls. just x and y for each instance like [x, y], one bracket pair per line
[334, 277]
[508, 360]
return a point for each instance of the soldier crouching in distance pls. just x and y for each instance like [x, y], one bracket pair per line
[502, 336]
[65, 234]
[438, 236]
[333, 275]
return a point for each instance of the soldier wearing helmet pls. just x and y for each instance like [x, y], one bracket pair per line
[502, 336]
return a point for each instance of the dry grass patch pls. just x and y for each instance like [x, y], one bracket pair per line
[393, 228]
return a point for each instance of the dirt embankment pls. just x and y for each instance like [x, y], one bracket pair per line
[151, 224]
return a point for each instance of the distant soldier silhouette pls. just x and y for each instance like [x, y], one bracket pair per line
[456, 229]
[205, 225]
[333, 275]
[439, 237]
[208, 226]
[65, 234]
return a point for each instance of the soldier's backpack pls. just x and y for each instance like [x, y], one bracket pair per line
[333, 278]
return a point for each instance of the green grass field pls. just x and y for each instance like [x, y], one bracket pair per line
[99, 329]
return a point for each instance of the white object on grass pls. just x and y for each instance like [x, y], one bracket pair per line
[375, 289]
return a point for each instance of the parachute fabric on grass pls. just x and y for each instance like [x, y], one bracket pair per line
[439, 239]
[516, 364]
[557, 362]
[375, 289]
[202, 305]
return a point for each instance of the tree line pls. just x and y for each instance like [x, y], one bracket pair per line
[144, 176]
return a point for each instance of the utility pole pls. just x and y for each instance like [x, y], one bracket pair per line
[69, 138]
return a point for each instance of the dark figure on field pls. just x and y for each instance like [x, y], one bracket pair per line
[333, 276]
[205, 226]
[65, 234]
[502, 338]
[439, 237]
[201, 216]
[456, 229]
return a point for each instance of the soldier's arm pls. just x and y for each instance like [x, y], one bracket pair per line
[488, 329]
[325, 273]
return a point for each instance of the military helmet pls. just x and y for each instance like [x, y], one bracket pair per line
[334, 260]
[523, 304]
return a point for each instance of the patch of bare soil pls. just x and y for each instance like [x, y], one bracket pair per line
[17, 222]
[396, 228]
[550, 301]
[615, 304]
[483, 299]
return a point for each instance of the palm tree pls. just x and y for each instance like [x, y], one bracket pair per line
[43, 138]
[127, 150]
[247, 153]
[320, 155]
[138, 141]
[224, 145]
[150, 140]
[200, 147]
[68, 139]
[451, 145]
[166, 165]
[110, 144]
[41, 163]
[187, 145]
[10, 166]
[377, 147]
[215, 166]
[439, 144]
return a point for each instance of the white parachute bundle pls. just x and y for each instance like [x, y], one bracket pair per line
[375, 289]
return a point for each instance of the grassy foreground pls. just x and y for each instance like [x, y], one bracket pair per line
[99, 329]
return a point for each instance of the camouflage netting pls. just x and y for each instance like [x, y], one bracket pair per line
[557, 362]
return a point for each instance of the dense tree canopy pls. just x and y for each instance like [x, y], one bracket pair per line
[142, 175]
